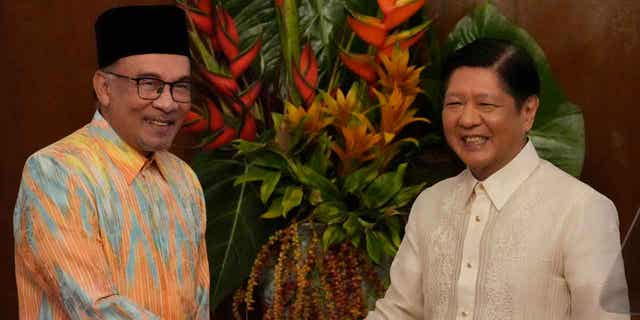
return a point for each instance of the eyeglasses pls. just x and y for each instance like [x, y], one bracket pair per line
[151, 88]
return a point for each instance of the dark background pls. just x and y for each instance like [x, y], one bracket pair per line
[48, 58]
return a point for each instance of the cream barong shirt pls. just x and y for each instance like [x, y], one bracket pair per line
[529, 242]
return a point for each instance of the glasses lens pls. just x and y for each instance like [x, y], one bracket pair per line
[150, 88]
[181, 92]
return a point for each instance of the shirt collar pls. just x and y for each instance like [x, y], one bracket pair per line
[127, 159]
[504, 182]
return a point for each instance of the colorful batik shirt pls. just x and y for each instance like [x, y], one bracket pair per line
[104, 232]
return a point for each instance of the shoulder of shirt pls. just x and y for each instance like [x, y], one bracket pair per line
[442, 186]
[69, 152]
[436, 192]
[566, 186]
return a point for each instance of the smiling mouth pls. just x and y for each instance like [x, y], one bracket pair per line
[160, 122]
[474, 140]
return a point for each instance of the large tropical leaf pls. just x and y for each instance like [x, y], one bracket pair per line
[235, 232]
[321, 22]
[558, 131]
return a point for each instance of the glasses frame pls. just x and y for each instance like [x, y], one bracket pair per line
[159, 92]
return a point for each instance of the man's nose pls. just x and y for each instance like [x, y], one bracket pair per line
[469, 116]
[165, 101]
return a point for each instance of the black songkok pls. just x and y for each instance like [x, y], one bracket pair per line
[128, 31]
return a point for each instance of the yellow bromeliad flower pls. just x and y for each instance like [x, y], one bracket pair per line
[312, 120]
[397, 73]
[359, 141]
[395, 113]
[343, 107]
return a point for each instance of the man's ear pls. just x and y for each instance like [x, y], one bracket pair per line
[101, 87]
[528, 111]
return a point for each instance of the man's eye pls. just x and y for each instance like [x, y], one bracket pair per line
[150, 83]
[486, 105]
[182, 86]
[453, 104]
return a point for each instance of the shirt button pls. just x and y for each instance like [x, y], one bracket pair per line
[464, 313]
[469, 265]
[478, 218]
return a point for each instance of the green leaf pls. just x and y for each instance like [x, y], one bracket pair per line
[407, 194]
[314, 180]
[356, 239]
[269, 184]
[374, 246]
[333, 234]
[360, 178]
[329, 212]
[383, 188]
[270, 160]
[315, 197]
[319, 160]
[253, 174]
[395, 228]
[365, 224]
[352, 225]
[245, 147]
[291, 199]
[275, 210]
[558, 131]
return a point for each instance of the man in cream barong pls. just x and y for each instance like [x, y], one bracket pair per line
[512, 236]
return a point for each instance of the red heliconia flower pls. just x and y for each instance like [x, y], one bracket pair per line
[386, 6]
[248, 98]
[400, 14]
[225, 135]
[229, 48]
[305, 74]
[229, 25]
[194, 123]
[309, 65]
[226, 33]
[370, 29]
[202, 22]
[216, 120]
[205, 6]
[241, 63]
[404, 40]
[360, 64]
[248, 130]
[223, 84]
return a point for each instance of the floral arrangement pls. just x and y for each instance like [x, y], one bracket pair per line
[303, 116]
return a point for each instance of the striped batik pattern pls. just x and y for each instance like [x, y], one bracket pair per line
[104, 232]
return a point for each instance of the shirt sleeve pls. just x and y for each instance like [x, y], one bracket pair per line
[593, 263]
[58, 247]
[404, 298]
[202, 291]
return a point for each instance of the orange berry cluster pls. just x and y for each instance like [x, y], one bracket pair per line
[309, 282]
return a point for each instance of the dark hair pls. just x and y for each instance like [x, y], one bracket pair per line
[513, 65]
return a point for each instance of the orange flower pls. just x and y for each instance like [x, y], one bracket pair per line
[358, 145]
[341, 108]
[395, 113]
[397, 73]
[312, 120]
